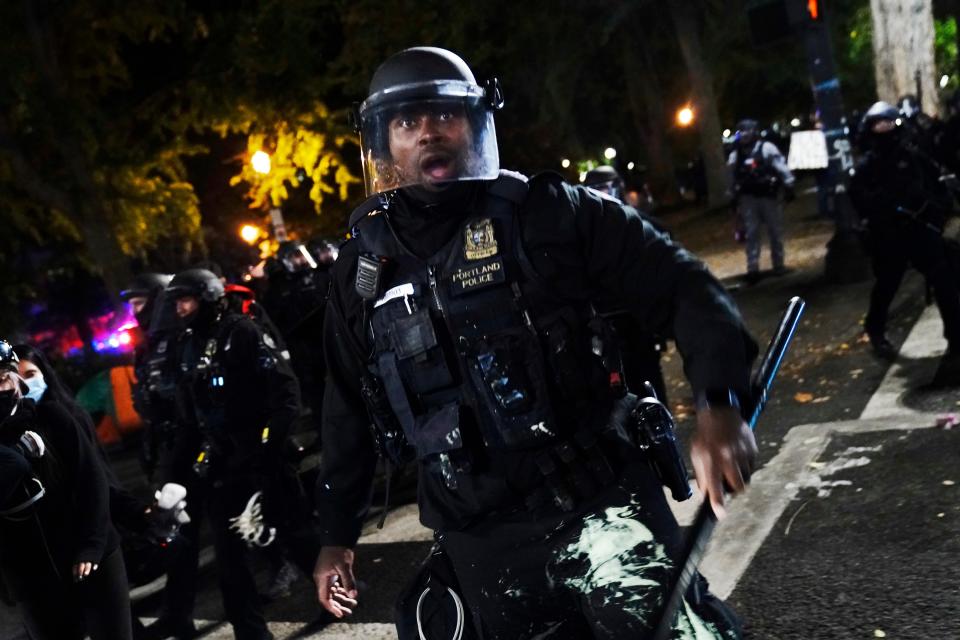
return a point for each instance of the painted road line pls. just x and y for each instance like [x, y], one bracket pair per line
[925, 342]
[753, 514]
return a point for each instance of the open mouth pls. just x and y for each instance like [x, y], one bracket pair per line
[438, 168]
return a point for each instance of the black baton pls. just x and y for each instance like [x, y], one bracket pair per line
[706, 519]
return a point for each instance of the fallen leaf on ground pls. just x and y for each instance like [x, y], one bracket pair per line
[803, 397]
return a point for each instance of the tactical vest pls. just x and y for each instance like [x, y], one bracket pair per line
[753, 174]
[473, 349]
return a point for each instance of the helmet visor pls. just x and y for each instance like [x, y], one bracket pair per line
[427, 134]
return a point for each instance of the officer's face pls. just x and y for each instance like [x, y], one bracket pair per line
[883, 126]
[429, 142]
[187, 306]
[137, 304]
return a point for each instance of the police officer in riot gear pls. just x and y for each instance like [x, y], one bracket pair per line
[904, 206]
[296, 301]
[639, 349]
[144, 297]
[462, 315]
[759, 173]
[237, 398]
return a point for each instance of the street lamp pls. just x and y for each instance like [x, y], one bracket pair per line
[249, 233]
[565, 163]
[609, 153]
[261, 162]
[685, 116]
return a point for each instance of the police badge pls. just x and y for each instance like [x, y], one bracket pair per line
[479, 241]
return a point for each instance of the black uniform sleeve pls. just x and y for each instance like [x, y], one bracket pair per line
[629, 264]
[83, 473]
[349, 453]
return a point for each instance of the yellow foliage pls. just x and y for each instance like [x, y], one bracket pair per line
[301, 148]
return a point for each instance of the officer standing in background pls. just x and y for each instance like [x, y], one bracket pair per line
[462, 315]
[238, 398]
[151, 363]
[296, 302]
[759, 171]
[640, 350]
[904, 205]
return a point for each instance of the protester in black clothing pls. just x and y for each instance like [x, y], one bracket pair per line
[62, 562]
[237, 399]
[904, 206]
[462, 314]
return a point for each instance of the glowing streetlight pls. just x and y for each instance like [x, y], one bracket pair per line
[685, 116]
[565, 163]
[726, 133]
[795, 122]
[944, 81]
[609, 153]
[261, 162]
[630, 166]
[249, 233]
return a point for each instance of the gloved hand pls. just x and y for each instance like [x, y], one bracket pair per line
[167, 514]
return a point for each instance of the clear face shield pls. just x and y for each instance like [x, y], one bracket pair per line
[428, 134]
[299, 259]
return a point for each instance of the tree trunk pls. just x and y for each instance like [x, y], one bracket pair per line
[687, 27]
[903, 38]
[649, 117]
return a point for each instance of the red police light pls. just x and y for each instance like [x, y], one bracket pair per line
[813, 9]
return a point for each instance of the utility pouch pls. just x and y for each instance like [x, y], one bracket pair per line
[656, 437]
[508, 373]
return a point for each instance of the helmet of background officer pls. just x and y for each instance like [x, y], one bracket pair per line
[427, 124]
[909, 106]
[747, 132]
[878, 127]
[606, 179]
[294, 257]
[199, 296]
[142, 294]
[323, 251]
[12, 387]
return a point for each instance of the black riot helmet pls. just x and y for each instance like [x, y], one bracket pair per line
[747, 132]
[146, 285]
[606, 179]
[428, 99]
[295, 257]
[8, 358]
[199, 283]
[909, 106]
[879, 111]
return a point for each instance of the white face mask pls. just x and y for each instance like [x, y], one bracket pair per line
[36, 385]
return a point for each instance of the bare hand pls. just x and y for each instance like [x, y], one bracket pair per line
[724, 453]
[336, 586]
[82, 570]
